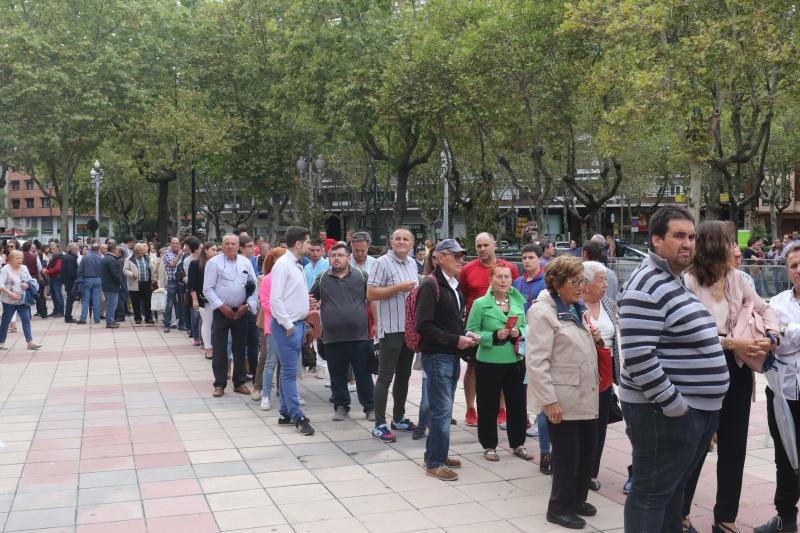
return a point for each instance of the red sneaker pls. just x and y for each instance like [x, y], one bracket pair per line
[472, 417]
[501, 418]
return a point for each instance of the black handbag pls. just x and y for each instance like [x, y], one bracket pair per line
[614, 409]
[309, 356]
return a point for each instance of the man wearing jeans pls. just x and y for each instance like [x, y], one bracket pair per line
[440, 323]
[89, 272]
[393, 277]
[53, 272]
[342, 293]
[674, 376]
[111, 282]
[289, 306]
[171, 257]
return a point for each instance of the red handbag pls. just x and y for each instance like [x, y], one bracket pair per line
[604, 365]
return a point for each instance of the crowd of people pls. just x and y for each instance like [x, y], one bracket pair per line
[556, 351]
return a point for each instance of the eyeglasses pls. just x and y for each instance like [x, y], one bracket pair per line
[459, 257]
[580, 282]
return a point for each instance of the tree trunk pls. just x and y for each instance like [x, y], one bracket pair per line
[713, 205]
[399, 211]
[65, 198]
[695, 188]
[162, 220]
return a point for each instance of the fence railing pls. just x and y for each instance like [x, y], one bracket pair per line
[769, 277]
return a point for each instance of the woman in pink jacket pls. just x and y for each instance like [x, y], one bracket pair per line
[723, 290]
[272, 353]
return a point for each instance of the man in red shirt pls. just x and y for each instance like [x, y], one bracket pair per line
[323, 236]
[474, 284]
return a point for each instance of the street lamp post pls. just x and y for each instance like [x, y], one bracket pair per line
[97, 179]
[314, 175]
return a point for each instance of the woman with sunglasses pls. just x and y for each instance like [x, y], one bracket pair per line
[562, 369]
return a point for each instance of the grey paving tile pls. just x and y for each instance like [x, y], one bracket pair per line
[107, 479]
[40, 519]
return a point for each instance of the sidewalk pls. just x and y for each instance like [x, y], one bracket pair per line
[117, 431]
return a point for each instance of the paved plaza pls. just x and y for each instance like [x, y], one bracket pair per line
[116, 431]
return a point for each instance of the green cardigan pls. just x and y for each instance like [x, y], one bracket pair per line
[486, 317]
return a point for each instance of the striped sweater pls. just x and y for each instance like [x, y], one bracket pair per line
[671, 352]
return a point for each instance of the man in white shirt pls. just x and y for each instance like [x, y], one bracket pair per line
[229, 285]
[289, 306]
[360, 246]
[787, 305]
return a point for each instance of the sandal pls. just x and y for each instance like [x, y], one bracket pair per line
[208, 354]
[522, 453]
[490, 455]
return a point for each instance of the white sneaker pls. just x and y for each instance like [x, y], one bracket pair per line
[266, 405]
[351, 387]
[301, 401]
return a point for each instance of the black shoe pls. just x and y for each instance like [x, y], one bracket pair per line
[304, 427]
[102, 317]
[166, 329]
[585, 509]
[151, 321]
[56, 315]
[777, 525]
[137, 320]
[569, 521]
[81, 322]
[285, 421]
[42, 316]
[68, 320]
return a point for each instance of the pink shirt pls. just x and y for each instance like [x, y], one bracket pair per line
[263, 297]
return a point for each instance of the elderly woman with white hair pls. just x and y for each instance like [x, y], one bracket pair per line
[603, 314]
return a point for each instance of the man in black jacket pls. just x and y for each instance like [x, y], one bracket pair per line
[111, 281]
[440, 323]
[69, 273]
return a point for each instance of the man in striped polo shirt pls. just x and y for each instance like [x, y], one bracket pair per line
[674, 375]
[392, 279]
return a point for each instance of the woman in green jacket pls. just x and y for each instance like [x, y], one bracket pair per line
[499, 367]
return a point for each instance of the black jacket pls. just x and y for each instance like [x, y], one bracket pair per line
[440, 322]
[69, 267]
[110, 274]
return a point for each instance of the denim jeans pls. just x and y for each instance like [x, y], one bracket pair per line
[90, 292]
[271, 361]
[443, 371]
[172, 302]
[253, 335]
[24, 312]
[195, 316]
[544, 434]
[111, 305]
[342, 355]
[289, 355]
[424, 405]
[666, 450]
[58, 296]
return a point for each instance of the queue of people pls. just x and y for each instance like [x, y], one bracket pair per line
[545, 352]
